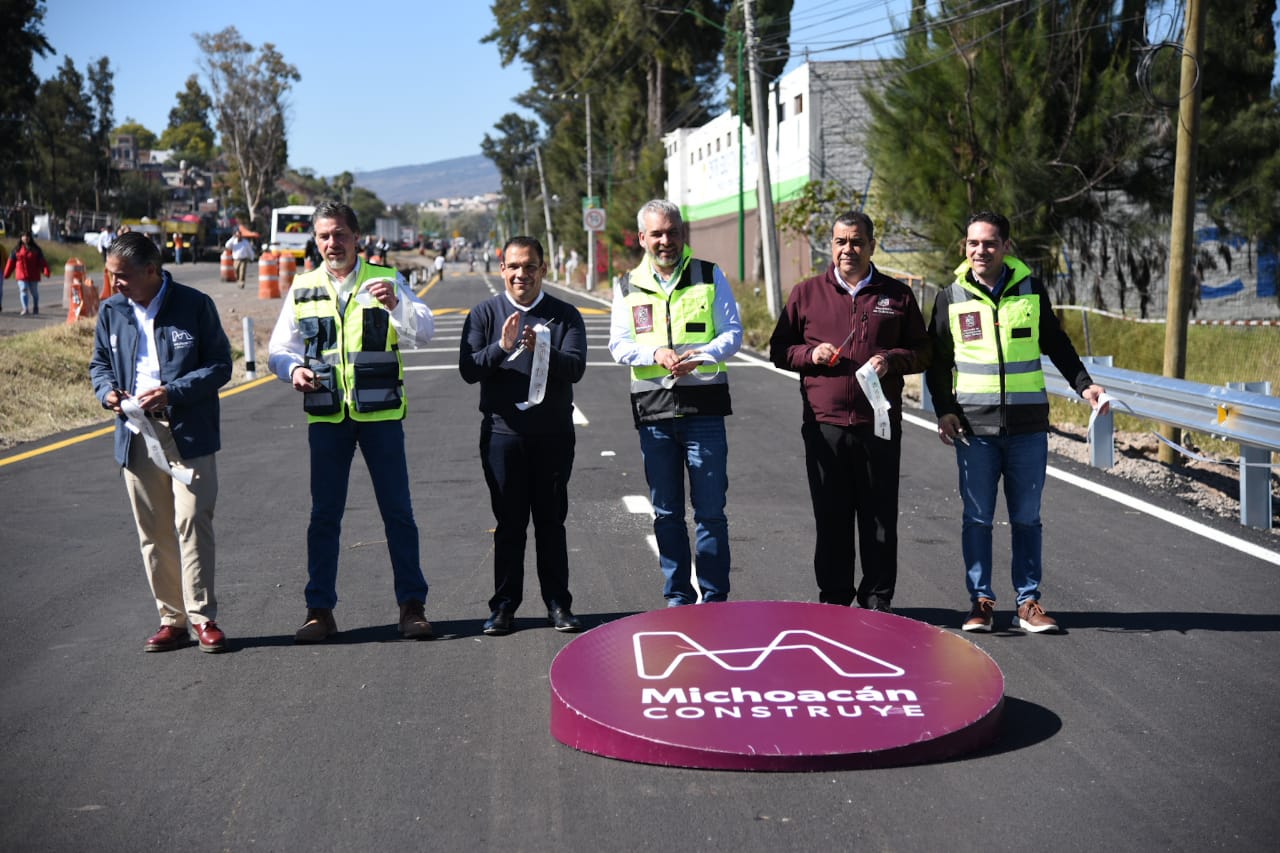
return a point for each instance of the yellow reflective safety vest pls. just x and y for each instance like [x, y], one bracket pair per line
[997, 343]
[356, 352]
[681, 320]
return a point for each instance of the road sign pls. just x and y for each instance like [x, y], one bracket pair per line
[593, 219]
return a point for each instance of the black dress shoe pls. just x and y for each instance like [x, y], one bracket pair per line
[563, 620]
[498, 623]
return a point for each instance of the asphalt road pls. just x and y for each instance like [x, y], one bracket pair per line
[1149, 724]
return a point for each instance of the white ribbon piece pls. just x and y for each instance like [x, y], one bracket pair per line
[870, 383]
[538, 373]
[671, 379]
[140, 424]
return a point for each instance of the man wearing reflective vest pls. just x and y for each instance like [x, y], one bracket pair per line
[989, 329]
[675, 322]
[338, 343]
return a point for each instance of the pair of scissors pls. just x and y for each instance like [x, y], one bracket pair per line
[836, 357]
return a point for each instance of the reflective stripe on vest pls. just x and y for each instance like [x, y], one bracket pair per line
[361, 345]
[997, 345]
[681, 320]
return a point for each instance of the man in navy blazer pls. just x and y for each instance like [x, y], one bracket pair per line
[160, 354]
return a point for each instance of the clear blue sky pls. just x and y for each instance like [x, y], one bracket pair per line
[414, 70]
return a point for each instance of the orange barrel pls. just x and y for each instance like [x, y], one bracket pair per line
[227, 267]
[268, 276]
[107, 286]
[71, 273]
[89, 296]
[288, 268]
[307, 265]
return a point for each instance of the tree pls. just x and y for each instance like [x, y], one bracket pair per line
[143, 137]
[249, 99]
[1238, 163]
[189, 134]
[61, 135]
[102, 89]
[1022, 107]
[512, 153]
[661, 72]
[21, 21]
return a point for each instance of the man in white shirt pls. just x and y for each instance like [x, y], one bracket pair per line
[337, 342]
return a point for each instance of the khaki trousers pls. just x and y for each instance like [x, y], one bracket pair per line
[175, 529]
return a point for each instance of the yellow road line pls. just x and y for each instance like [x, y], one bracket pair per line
[98, 433]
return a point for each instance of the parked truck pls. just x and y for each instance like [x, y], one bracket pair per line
[388, 229]
[291, 228]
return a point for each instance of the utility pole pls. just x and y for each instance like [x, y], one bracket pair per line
[1181, 238]
[591, 235]
[546, 212]
[764, 191]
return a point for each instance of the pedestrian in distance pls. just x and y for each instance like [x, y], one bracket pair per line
[674, 322]
[852, 334]
[105, 238]
[526, 432]
[990, 328]
[27, 265]
[159, 357]
[439, 265]
[241, 254]
[337, 342]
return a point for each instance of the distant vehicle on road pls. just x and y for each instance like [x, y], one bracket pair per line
[291, 228]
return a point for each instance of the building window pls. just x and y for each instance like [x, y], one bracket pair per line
[717, 143]
[799, 105]
[782, 113]
[728, 140]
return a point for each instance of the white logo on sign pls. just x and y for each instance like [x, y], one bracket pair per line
[680, 646]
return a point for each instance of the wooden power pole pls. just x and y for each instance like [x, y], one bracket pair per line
[764, 185]
[1182, 233]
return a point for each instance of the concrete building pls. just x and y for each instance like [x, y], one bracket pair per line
[818, 119]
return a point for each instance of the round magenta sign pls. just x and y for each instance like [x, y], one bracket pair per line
[773, 685]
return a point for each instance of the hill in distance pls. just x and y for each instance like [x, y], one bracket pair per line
[459, 177]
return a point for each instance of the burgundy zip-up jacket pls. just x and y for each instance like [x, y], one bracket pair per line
[884, 317]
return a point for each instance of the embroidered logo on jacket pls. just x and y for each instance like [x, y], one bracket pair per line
[971, 326]
[182, 339]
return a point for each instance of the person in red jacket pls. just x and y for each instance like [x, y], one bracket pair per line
[28, 266]
[835, 324]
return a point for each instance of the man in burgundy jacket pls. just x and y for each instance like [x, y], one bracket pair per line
[833, 324]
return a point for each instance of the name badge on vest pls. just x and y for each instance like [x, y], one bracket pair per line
[971, 326]
[642, 317]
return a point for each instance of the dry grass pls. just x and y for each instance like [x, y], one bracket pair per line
[44, 383]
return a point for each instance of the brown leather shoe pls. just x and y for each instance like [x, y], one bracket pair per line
[319, 626]
[211, 637]
[413, 622]
[168, 638]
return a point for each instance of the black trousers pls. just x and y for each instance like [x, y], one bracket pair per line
[853, 482]
[528, 476]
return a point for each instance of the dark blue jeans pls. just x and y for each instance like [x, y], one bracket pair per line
[333, 446]
[528, 475]
[1019, 460]
[696, 443]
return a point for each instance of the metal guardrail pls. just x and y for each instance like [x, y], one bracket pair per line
[1243, 413]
